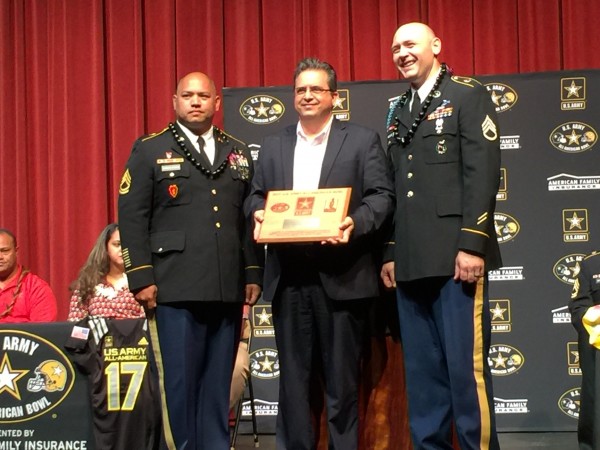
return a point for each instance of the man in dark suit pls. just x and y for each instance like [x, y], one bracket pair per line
[444, 143]
[187, 248]
[320, 292]
[585, 317]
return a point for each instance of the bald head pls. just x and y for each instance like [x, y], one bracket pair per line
[198, 76]
[417, 30]
[195, 102]
[414, 50]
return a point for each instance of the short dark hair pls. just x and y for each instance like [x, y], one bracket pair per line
[10, 234]
[317, 64]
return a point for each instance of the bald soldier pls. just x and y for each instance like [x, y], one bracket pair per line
[443, 140]
[188, 253]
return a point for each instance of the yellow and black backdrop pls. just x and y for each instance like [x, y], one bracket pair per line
[547, 218]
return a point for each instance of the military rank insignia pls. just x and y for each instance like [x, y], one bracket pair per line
[125, 183]
[488, 127]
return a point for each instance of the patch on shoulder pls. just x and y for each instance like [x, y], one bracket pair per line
[153, 135]
[222, 136]
[471, 82]
[125, 184]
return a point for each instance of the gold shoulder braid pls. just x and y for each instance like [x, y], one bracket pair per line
[16, 293]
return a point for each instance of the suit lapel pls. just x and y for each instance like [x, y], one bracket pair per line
[288, 146]
[337, 135]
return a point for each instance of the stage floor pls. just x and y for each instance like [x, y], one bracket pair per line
[508, 441]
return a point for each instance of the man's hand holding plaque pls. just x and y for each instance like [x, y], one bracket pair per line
[305, 216]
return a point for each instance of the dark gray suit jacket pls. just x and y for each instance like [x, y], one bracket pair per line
[353, 158]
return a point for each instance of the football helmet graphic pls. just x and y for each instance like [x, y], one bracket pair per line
[51, 376]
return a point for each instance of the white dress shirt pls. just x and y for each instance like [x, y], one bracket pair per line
[209, 141]
[308, 158]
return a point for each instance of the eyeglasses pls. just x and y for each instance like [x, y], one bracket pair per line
[315, 90]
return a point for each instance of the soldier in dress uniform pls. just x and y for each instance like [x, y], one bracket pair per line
[188, 252]
[444, 143]
[585, 317]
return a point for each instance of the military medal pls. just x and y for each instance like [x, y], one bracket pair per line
[439, 125]
[237, 161]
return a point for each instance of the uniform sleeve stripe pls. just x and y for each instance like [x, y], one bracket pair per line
[139, 268]
[470, 230]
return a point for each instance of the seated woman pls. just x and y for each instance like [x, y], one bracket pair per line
[101, 302]
[101, 288]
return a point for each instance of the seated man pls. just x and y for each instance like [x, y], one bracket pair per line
[24, 297]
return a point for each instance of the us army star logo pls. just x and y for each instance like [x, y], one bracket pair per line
[9, 378]
[575, 221]
[339, 103]
[305, 203]
[575, 354]
[267, 364]
[500, 361]
[264, 318]
[573, 90]
[261, 111]
[497, 312]
[495, 98]
[573, 138]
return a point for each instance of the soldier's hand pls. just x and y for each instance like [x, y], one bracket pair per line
[147, 296]
[468, 267]
[387, 275]
[259, 217]
[252, 293]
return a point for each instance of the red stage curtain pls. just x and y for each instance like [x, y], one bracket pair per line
[81, 79]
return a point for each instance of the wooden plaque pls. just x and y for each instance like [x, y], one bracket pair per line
[304, 216]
